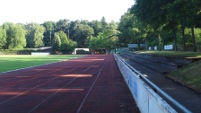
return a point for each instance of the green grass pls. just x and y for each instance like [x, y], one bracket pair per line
[13, 62]
[189, 76]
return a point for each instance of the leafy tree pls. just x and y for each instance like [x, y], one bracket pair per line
[56, 42]
[177, 12]
[82, 34]
[15, 36]
[97, 26]
[192, 9]
[62, 43]
[183, 13]
[125, 27]
[103, 22]
[170, 14]
[153, 14]
[35, 35]
[72, 28]
[98, 42]
[39, 31]
[63, 35]
[102, 42]
[132, 30]
[2, 38]
[106, 39]
[84, 22]
[110, 33]
[7, 27]
[62, 25]
[140, 31]
[49, 33]
[72, 45]
[111, 29]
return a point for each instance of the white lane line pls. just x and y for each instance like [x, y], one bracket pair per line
[32, 88]
[34, 108]
[83, 101]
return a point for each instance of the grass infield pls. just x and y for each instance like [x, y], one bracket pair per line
[13, 62]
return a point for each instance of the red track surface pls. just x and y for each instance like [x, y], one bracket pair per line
[92, 84]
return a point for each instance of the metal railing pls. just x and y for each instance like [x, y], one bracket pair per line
[175, 104]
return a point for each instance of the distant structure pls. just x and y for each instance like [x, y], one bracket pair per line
[98, 51]
[135, 46]
[80, 49]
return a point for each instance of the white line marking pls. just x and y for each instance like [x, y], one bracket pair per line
[32, 88]
[51, 95]
[34, 108]
[83, 101]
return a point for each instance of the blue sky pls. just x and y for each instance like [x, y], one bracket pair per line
[25, 11]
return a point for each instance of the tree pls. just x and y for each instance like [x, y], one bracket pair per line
[132, 30]
[125, 26]
[140, 31]
[2, 38]
[7, 27]
[103, 22]
[98, 42]
[103, 42]
[97, 27]
[35, 35]
[15, 36]
[62, 43]
[72, 45]
[192, 11]
[62, 25]
[72, 28]
[39, 31]
[153, 14]
[82, 34]
[170, 14]
[56, 42]
[110, 33]
[49, 32]
[106, 39]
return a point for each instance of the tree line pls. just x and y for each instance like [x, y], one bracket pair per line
[63, 35]
[163, 22]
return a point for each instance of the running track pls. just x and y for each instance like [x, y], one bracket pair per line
[92, 84]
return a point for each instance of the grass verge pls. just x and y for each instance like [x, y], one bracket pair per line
[13, 62]
[189, 76]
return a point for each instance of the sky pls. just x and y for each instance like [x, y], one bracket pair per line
[39, 11]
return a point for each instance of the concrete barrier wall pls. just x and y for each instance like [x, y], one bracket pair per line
[147, 100]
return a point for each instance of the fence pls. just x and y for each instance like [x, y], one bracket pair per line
[144, 92]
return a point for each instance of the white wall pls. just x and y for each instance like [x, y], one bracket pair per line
[146, 99]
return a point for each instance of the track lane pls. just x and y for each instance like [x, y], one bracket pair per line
[27, 86]
[114, 97]
[65, 91]
[80, 86]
